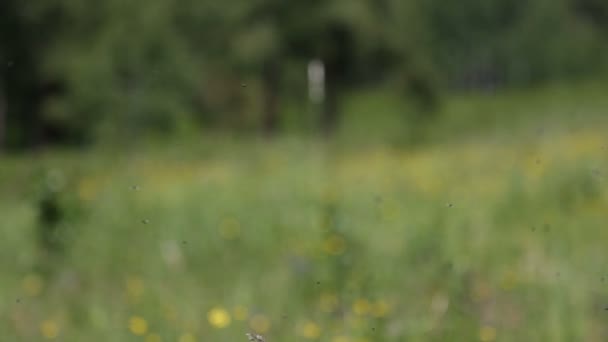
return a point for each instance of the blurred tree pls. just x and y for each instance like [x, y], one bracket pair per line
[137, 74]
[59, 209]
[72, 70]
[22, 49]
[594, 10]
[351, 38]
[2, 117]
[258, 45]
[494, 43]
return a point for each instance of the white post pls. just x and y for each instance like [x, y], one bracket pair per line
[316, 81]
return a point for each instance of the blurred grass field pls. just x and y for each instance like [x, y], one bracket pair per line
[496, 233]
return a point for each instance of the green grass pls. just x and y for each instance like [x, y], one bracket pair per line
[495, 234]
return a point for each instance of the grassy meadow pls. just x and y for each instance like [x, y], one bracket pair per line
[493, 230]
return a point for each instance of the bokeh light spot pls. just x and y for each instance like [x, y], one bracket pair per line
[218, 317]
[49, 329]
[138, 325]
[487, 334]
[310, 330]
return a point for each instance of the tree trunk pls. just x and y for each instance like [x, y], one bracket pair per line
[271, 75]
[3, 108]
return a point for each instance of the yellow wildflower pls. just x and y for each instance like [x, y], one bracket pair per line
[218, 317]
[49, 329]
[138, 325]
[487, 334]
[361, 306]
[310, 330]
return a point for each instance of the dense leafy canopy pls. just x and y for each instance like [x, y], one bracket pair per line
[73, 70]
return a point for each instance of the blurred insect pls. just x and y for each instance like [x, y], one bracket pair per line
[145, 221]
[255, 337]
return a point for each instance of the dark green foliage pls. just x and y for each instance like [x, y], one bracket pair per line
[481, 44]
[59, 210]
[72, 71]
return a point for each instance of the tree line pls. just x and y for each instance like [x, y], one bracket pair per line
[73, 71]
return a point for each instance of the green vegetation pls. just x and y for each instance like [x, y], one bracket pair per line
[172, 171]
[73, 72]
[493, 230]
